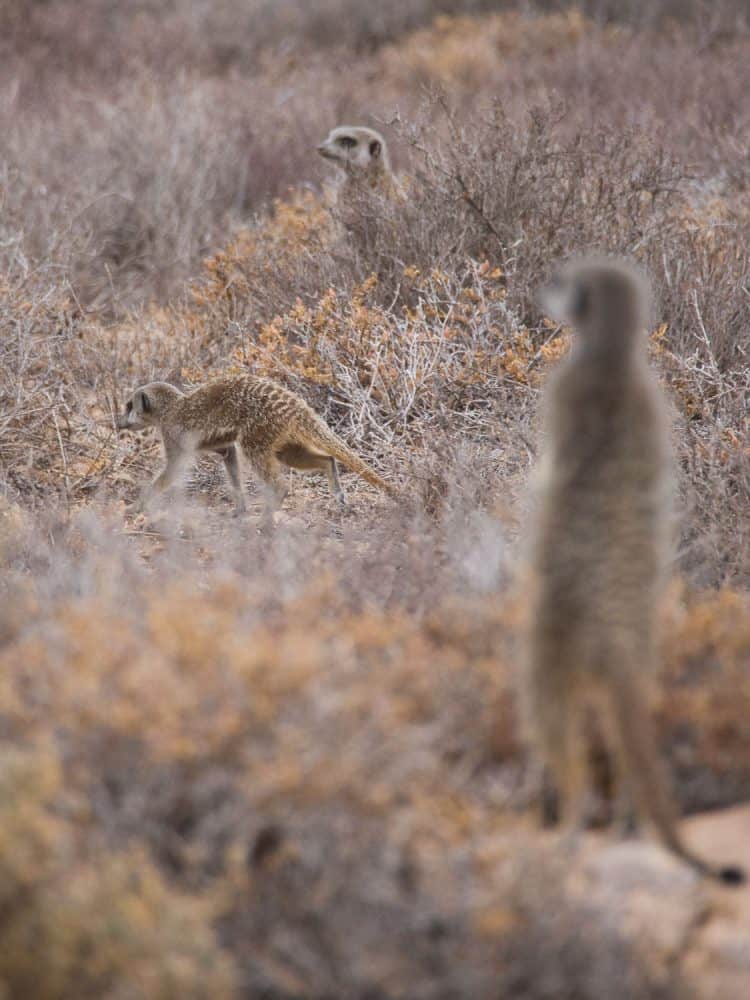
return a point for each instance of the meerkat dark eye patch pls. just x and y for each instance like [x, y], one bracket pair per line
[580, 302]
[129, 407]
[346, 142]
[375, 148]
[145, 403]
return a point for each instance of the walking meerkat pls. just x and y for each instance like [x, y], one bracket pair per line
[599, 546]
[362, 155]
[272, 426]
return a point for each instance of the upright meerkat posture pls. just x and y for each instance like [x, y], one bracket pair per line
[272, 426]
[362, 155]
[599, 544]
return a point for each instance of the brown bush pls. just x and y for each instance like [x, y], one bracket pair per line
[318, 759]
[84, 926]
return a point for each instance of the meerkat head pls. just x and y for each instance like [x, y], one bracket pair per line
[598, 297]
[145, 406]
[356, 149]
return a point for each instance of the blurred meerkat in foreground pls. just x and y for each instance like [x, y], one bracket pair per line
[599, 545]
[272, 426]
[362, 155]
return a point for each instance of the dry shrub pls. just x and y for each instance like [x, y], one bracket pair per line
[137, 160]
[705, 669]
[74, 37]
[90, 924]
[460, 350]
[706, 18]
[52, 441]
[326, 768]
[128, 192]
[702, 351]
[453, 53]
[517, 192]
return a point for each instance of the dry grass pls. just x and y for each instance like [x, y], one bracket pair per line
[289, 765]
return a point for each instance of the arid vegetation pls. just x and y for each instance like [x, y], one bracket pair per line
[289, 765]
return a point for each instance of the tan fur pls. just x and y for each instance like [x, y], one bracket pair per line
[599, 545]
[271, 425]
[362, 155]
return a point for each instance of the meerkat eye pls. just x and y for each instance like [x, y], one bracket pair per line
[346, 142]
[129, 407]
[375, 148]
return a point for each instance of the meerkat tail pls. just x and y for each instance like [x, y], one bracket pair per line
[637, 743]
[323, 437]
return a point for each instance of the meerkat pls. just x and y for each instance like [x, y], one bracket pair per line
[272, 426]
[599, 546]
[362, 155]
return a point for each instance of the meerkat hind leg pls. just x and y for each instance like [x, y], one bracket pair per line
[623, 813]
[297, 456]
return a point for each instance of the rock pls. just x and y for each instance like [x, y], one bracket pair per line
[676, 919]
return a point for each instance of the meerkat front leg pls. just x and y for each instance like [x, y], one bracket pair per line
[170, 474]
[231, 460]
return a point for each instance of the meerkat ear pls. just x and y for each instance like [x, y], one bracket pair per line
[376, 147]
[145, 402]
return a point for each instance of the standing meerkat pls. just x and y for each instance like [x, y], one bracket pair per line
[599, 545]
[272, 426]
[362, 155]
